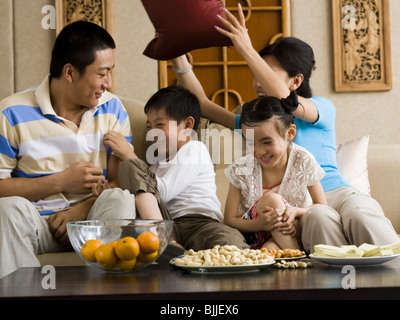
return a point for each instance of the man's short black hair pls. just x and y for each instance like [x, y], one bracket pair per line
[178, 102]
[77, 44]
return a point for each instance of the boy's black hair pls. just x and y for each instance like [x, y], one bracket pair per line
[77, 44]
[179, 103]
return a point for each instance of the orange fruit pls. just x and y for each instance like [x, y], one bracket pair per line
[127, 248]
[147, 257]
[126, 265]
[89, 248]
[105, 255]
[148, 242]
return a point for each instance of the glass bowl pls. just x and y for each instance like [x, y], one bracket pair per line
[109, 232]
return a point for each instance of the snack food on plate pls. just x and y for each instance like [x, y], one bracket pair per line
[224, 256]
[352, 251]
[284, 253]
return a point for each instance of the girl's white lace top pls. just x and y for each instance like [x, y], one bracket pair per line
[302, 171]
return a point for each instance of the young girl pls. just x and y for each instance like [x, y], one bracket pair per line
[277, 182]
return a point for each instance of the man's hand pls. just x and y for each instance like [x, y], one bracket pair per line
[80, 177]
[58, 221]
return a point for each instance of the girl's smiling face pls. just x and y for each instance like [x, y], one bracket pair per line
[268, 146]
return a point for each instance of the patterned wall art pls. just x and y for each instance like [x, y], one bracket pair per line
[96, 11]
[361, 39]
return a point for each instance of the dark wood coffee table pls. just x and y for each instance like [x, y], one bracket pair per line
[160, 281]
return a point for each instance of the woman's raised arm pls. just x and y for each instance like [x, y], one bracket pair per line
[209, 109]
[269, 79]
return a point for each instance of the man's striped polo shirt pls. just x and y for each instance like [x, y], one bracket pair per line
[35, 142]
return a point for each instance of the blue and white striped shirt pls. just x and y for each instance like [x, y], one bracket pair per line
[35, 141]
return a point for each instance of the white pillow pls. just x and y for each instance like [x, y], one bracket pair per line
[352, 163]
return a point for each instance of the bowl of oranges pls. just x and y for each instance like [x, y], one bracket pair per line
[119, 245]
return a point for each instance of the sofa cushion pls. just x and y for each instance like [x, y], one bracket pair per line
[183, 26]
[137, 117]
[384, 173]
[352, 163]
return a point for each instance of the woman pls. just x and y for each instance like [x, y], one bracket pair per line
[351, 217]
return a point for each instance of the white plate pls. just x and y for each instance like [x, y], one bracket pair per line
[354, 261]
[222, 269]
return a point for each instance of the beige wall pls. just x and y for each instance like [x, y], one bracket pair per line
[136, 76]
[25, 45]
[25, 51]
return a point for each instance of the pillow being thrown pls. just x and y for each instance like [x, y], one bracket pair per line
[183, 26]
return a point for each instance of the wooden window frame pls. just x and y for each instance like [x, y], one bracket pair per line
[225, 90]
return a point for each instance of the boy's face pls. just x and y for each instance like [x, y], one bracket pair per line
[172, 136]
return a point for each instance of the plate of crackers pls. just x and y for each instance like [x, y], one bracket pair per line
[223, 259]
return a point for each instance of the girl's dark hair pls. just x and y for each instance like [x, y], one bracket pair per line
[178, 102]
[295, 56]
[264, 108]
[77, 44]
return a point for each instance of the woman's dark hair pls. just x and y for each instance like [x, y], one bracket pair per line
[264, 108]
[178, 102]
[295, 56]
[77, 44]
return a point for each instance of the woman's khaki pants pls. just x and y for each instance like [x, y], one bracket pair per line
[351, 217]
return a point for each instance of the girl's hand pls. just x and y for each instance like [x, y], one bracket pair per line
[288, 229]
[238, 32]
[289, 215]
[121, 148]
[269, 219]
[289, 221]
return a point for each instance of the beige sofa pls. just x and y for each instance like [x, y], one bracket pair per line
[383, 172]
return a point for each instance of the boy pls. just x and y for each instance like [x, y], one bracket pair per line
[180, 185]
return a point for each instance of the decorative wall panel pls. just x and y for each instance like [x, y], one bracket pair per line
[361, 33]
[96, 11]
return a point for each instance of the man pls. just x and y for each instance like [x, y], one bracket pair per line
[52, 150]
